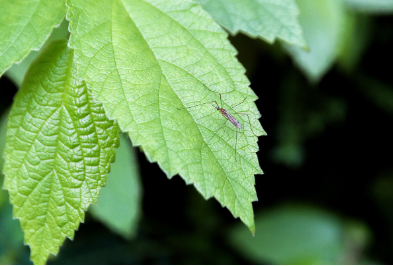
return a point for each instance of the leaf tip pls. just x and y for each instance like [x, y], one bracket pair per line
[252, 228]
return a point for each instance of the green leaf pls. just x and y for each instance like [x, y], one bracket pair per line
[259, 18]
[355, 40]
[11, 240]
[292, 234]
[323, 25]
[59, 148]
[119, 204]
[3, 122]
[148, 62]
[17, 71]
[24, 26]
[371, 6]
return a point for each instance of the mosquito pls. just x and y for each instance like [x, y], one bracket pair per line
[228, 117]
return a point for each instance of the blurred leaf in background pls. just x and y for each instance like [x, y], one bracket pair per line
[304, 113]
[300, 234]
[378, 7]
[12, 250]
[322, 22]
[334, 30]
[380, 94]
[259, 18]
[383, 196]
[356, 37]
[119, 202]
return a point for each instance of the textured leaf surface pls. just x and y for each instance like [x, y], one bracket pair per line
[17, 71]
[59, 148]
[323, 25]
[120, 201]
[149, 61]
[268, 19]
[24, 26]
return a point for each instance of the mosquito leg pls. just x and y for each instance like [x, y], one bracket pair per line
[249, 122]
[223, 124]
[236, 145]
[196, 105]
[238, 103]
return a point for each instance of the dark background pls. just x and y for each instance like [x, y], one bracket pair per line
[328, 144]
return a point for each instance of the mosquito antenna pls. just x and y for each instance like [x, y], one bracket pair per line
[215, 106]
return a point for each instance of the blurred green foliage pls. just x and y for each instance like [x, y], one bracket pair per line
[119, 203]
[303, 113]
[371, 6]
[323, 24]
[300, 234]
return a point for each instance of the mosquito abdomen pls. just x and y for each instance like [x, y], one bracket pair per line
[230, 118]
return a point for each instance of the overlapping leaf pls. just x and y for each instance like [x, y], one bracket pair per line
[268, 19]
[323, 23]
[17, 71]
[59, 149]
[148, 61]
[24, 26]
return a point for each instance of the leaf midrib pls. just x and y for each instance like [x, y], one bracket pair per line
[223, 170]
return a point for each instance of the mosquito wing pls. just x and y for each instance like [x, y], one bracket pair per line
[231, 118]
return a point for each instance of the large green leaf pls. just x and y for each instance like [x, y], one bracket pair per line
[259, 18]
[119, 204]
[323, 25]
[149, 62]
[24, 26]
[59, 149]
